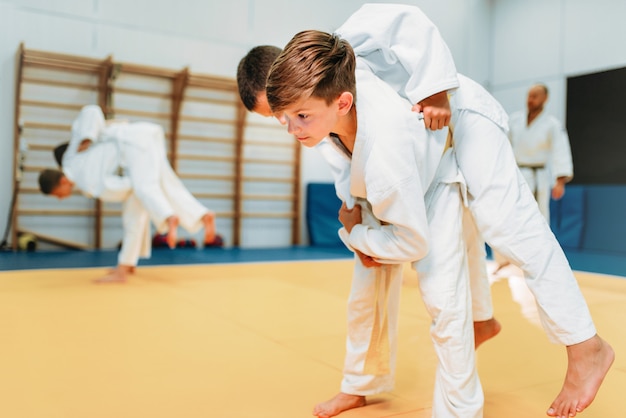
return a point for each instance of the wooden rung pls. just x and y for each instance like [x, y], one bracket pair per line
[66, 212]
[55, 105]
[286, 215]
[57, 83]
[46, 126]
[33, 190]
[35, 168]
[147, 70]
[141, 113]
[63, 65]
[196, 157]
[268, 179]
[136, 92]
[214, 195]
[41, 147]
[206, 139]
[265, 161]
[268, 144]
[266, 197]
[198, 99]
[194, 176]
[35, 53]
[57, 241]
[201, 119]
[212, 82]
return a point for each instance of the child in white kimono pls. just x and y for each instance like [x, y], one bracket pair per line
[409, 207]
[93, 162]
[414, 55]
[403, 47]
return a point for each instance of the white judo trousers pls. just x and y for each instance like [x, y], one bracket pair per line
[373, 304]
[402, 46]
[508, 218]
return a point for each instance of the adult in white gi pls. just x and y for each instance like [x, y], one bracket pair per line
[394, 160]
[541, 149]
[402, 46]
[150, 190]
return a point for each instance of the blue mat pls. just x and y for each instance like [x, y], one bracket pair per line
[163, 256]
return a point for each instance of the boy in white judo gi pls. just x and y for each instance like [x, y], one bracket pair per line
[149, 188]
[541, 149]
[415, 56]
[411, 208]
[402, 46]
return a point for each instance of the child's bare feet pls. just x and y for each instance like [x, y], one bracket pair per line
[336, 405]
[116, 275]
[209, 227]
[587, 365]
[172, 231]
[485, 330]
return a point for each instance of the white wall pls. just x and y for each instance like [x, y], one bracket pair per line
[208, 36]
[548, 41]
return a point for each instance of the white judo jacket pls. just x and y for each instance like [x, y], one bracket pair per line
[404, 48]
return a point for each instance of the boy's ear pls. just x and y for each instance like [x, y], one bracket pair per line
[344, 102]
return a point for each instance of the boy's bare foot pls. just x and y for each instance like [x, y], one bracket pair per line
[485, 330]
[116, 275]
[336, 405]
[209, 227]
[172, 231]
[587, 365]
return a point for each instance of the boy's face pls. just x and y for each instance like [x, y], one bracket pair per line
[310, 120]
[63, 190]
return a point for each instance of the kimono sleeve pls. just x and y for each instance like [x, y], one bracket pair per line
[403, 47]
[561, 164]
[88, 125]
[403, 233]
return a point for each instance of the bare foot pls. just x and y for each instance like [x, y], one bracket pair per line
[587, 365]
[209, 227]
[341, 402]
[116, 275]
[172, 231]
[485, 330]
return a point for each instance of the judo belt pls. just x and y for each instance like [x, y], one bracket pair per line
[377, 357]
[534, 168]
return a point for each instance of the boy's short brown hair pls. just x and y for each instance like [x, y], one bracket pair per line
[49, 179]
[313, 64]
[252, 73]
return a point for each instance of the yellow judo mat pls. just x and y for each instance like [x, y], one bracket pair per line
[257, 340]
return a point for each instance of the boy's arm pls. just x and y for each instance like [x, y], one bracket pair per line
[402, 227]
[86, 129]
[561, 162]
[405, 49]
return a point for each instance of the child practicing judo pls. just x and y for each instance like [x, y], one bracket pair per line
[98, 153]
[409, 206]
[415, 61]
